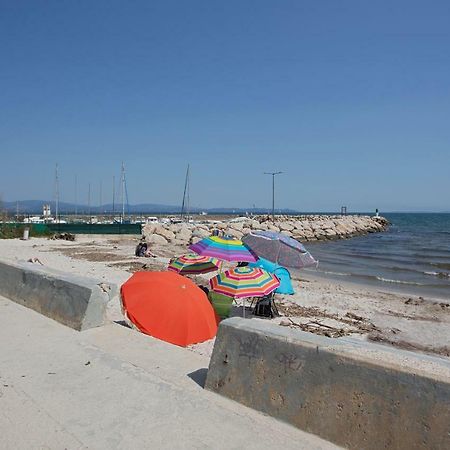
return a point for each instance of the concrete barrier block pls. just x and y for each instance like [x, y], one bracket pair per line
[356, 394]
[75, 301]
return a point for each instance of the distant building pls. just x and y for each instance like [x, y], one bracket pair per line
[46, 211]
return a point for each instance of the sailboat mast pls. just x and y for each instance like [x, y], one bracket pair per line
[76, 195]
[100, 207]
[185, 203]
[188, 193]
[114, 197]
[56, 192]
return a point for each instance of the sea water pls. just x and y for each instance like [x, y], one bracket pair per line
[413, 256]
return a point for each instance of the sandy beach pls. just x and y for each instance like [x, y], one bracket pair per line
[325, 307]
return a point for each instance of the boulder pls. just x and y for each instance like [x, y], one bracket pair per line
[184, 234]
[201, 233]
[234, 233]
[252, 223]
[298, 235]
[195, 239]
[181, 243]
[156, 239]
[341, 229]
[149, 228]
[328, 224]
[174, 227]
[236, 226]
[308, 234]
[166, 233]
[271, 227]
[263, 226]
[286, 226]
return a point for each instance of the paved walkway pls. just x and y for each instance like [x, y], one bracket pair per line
[111, 388]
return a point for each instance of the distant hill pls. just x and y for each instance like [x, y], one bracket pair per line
[35, 207]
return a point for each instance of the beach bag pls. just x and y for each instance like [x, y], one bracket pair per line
[263, 308]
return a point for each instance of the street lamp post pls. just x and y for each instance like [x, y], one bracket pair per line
[273, 191]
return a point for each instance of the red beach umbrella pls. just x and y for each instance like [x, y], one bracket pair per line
[169, 307]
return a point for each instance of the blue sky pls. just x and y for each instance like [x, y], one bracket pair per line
[350, 99]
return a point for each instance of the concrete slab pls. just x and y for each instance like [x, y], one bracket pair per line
[357, 394]
[75, 301]
[111, 388]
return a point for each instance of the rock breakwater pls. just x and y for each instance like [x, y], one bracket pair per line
[303, 228]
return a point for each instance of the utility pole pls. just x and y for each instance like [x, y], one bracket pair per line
[122, 192]
[56, 193]
[273, 191]
[89, 203]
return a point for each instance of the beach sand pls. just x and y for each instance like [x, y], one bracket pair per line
[326, 307]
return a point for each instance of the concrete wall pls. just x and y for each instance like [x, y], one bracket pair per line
[77, 302]
[358, 395]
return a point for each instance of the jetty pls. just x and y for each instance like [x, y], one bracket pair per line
[304, 228]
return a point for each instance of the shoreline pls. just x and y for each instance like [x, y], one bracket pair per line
[319, 305]
[376, 286]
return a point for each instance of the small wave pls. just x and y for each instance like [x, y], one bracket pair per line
[388, 280]
[444, 266]
[336, 273]
[438, 274]
[432, 273]
[403, 269]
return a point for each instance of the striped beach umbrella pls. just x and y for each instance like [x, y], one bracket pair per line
[228, 249]
[244, 282]
[193, 264]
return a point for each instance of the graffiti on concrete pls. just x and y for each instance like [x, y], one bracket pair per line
[249, 346]
[290, 362]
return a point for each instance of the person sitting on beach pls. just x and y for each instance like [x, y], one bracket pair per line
[141, 248]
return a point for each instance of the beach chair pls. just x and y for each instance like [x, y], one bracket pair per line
[221, 303]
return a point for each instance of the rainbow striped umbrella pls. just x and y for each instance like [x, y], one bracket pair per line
[194, 264]
[243, 282]
[225, 248]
